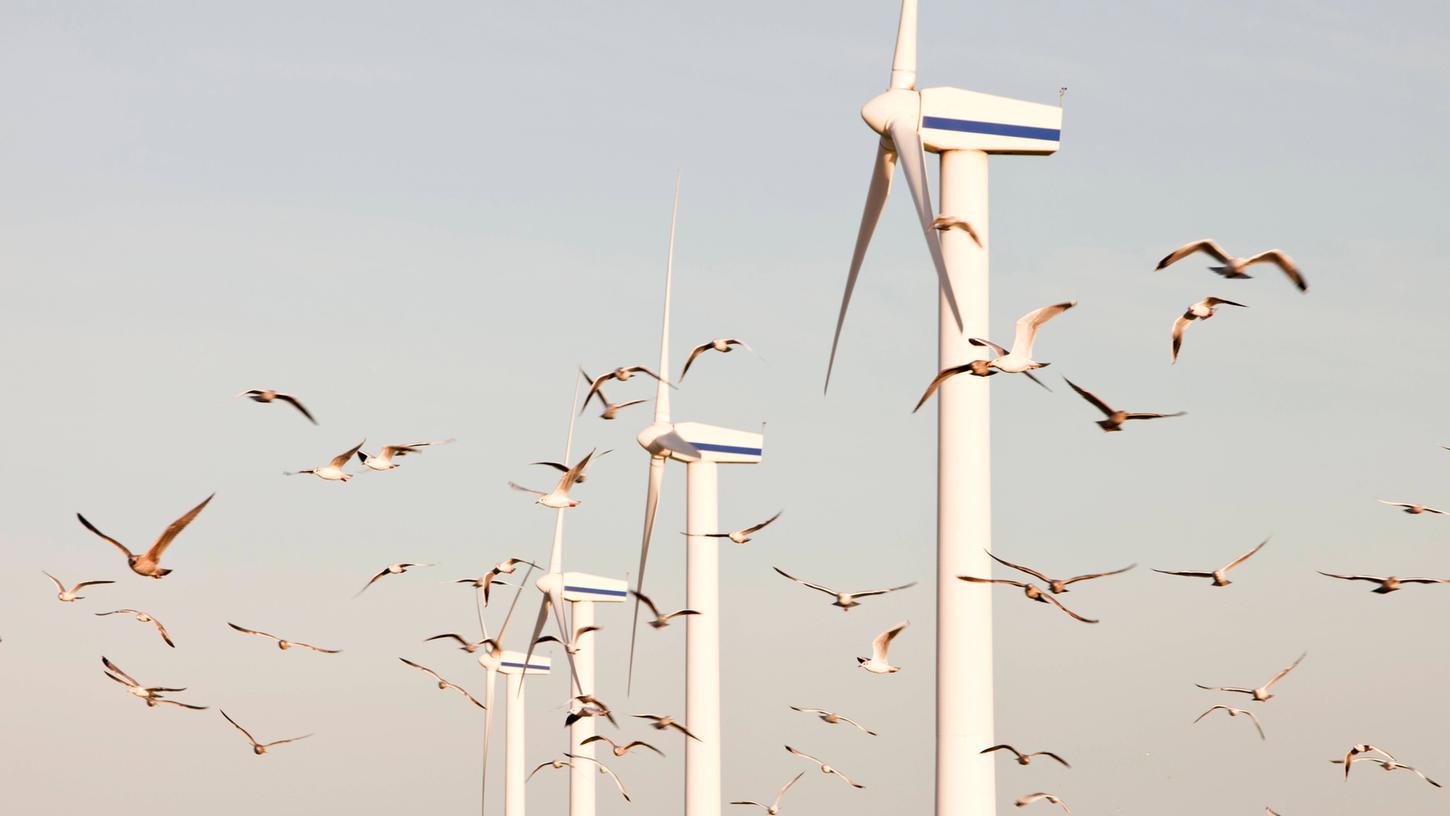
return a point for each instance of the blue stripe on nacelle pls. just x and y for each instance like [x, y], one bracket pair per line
[619, 593]
[522, 666]
[991, 128]
[710, 446]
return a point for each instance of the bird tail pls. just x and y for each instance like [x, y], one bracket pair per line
[1108, 426]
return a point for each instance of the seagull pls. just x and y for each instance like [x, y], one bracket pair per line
[773, 809]
[621, 374]
[1234, 267]
[267, 395]
[1033, 797]
[151, 695]
[1388, 765]
[610, 408]
[1220, 575]
[948, 222]
[391, 569]
[1386, 585]
[833, 718]
[664, 722]
[572, 647]
[620, 750]
[506, 567]
[603, 769]
[556, 764]
[144, 618]
[1032, 591]
[587, 705]
[1413, 509]
[1355, 751]
[1019, 359]
[825, 769]
[384, 459]
[720, 344]
[444, 684]
[558, 498]
[69, 595]
[1261, 693]
[660, 621]
[260, 748]
[742, 536]
[1202, 310]
[1025, 759]
[845, 601]
[977, 368]
[1057, 586]
[563, 468]
[465, 644]
[284, 645]
[1234, 712]
[332, 471]
[879, 663]
[149, 562]
[1115, 418]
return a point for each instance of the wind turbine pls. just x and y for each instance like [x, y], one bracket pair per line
[701, 447]
[964, 127]
[581, 592]
[514, 665]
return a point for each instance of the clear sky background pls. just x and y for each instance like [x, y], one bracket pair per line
[421, 218]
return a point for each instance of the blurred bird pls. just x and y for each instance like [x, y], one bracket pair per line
[1202, 310]
[1032, 591]
[825, 769]
[506, 567]
[572, 647]
[1388, 765]
[845, 601]
[620, 750]
[1055, 585]
[621, 374]
[587, 705]
[391, 569]
[879, 662]
[284, 645]
[1386, 585]
[610, 408]
[144, 618]
[260, 748]
[556, 764]
[69, 595]
[332, 471]
[603, 769]
[664, 722]
[720, 344]
[384, 459]
[1356, 750]
[149, 562]
[950, 222]
[1261, 693]
[152, 695]
[977, 368]
[558, 498]
[1234, 267]
[1116, 418]
[1220, 575]
[444, 684]
[773, 809]
[660, 621]
[1234, 712]
[1413, 509]
[833, 718]
[465, 644]
[1033, 797]
[1019, 359]
[1025, 759]
[266, 395]
[742, 536]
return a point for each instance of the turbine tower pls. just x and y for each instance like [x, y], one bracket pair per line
[701, 447]
[581, 592]
[964, 127]
[515, 768]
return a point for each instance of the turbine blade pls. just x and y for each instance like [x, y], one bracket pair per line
[651, 504]
[881, 173]
[662, 390]
[678, 445]
[556, 598]
[903, 62]
[534, 638]
[913, 164]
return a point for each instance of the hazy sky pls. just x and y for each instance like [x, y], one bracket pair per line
[423, 217]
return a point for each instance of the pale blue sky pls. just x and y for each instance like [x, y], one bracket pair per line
[421, 218]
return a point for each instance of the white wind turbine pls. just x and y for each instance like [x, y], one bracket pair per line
[701, 447]
[964, 127]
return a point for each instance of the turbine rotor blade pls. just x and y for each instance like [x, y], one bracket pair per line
[913, 164]
[556, 599]
[881, 172]
[651, 504]
[538, 630]
[903, 62]
[678, 445]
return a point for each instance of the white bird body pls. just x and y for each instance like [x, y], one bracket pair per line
[558, 498]
[384, 459]
[1019, 359]
[332, 471]
[68, 595]
[879, 662]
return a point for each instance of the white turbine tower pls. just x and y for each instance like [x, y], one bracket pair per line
[582, 591]
[701, 447]
[964, 127]
[514, 665]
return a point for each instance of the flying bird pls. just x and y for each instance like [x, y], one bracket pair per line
[1356, 750]
[1032, 591]
[1202, 310]
[879, 662]
[284, 645]
[1025, 759]
[833, 718]
[1261, 693]
[1019, 359]
[1220, 575]
[464, 644]
[950, 222]
[1057, 586]
[1234, 712]
[444, 684]
[267, 395]
[558, 498]
[660, 621]
[1234, 267]
[977, 368]
[143, 618]
[604, 769]
[825, 769]
[69, 595]
[572, 647]
[1115, 418]
[845, 601]
[556, 764]
[260, 748]
[621, 374]
[384, 459]
[1033, 797]
[610, 408]
[720, 344]
[332, 471]
[563, 468]
[1413, 509]
[152, 694]
[505, 567]
[391, 569]
[149, 562]
[662, 722]
[1388, 584]
[742, 536]
[1388, 765]
[620, 750]
[587, 705]
[773, 809]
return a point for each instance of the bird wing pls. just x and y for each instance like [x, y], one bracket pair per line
[673, 615]
[1210, 710]
[1178, 326]
[695, 352]
[183, 705]
[804, 755]
[461, 640]
[858, 725]
[542, 766]
[244, 731]
[291, 400]
[1034, 573]
[595, 384]
[975, 580]
[161, 630]
[684, 730]
[1033, 377]
[559, 466]
[1028, 324]
[92, 528]
[1224, 688]
[522, 489]
[816, 587]
[1187, 573]
[642, 744]
[106, 661]
[1234, 563]
[1283, 261]
[1204, 244]
[370, 582]
[342, 458]
[870, 592]
[941, 377]
[1003, 747]
[470, 697]
[1091, 576]
[175, 529]
[882, 642]
[84, 584]
[572, 474]
[1070, 613]
[423, 669]
[251, 631]
[604, 769]
[1147, 415]
[997, 351]
[1054, 756]
[1286, 670]
[58, 585]
[597, 738]
[1218, 301]
[1090, 397]
[755, 528]
[285, 741]
[783, 788]
[1425, 580]
[1257, 725]
[316, 648]
[620, 405]
[653, 610]
[1351, 577]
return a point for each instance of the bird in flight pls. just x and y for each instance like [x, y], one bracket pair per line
[773, 809]
[1057, 586]
[505, 567]
[558, 498]
[825, 768]
[603, 769]
[143, 618]
[1234, 267]
[833, 718]
[879, 662]
[1025, 759]
[1202, 310]
[742, 536]
[621, 750]
[724, 345]
[573, 646]
[284, 645]
[148, 563]
[1019, 359]
[1220, 575]
[951, 222]
[621, 374]
[391, 569]
[444, 684]
[662, 722]
[1234, 712]
[1413, 509]
[464, 644]
[260, 748]
[1032, 591]
[69, 595]
[660, 621]
[556, 764]
[610, 408]
[1033, 797]
[1260, 694]
[384, 459]
[267, 395]
[332, 471]
[1388, 584]
[845, 601]
[1116, 418]
[152, 694]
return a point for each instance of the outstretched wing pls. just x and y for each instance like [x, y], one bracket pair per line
[762, 525]
[816, 587]
[1072, 614]
[245, 732]
[1283, 261]
[1234, 563]
[342, 458]
[1028, 324]
[695, 352]
[1204, 245]
[291, 400]
[1090, 397]
[1091, 576]
[1034, 573]
[176, 527]
[92, 528]
[941, 377]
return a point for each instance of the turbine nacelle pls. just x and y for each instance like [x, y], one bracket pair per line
[956, 119]
[895, 105]
[661, 439]
[520, 663]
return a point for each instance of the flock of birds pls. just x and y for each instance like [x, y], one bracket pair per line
[1018, 360]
